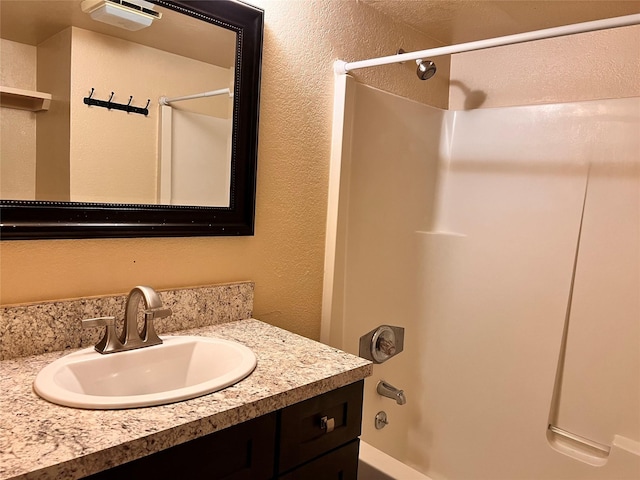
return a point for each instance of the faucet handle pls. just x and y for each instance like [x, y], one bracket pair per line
[149, 335]
[99, 322]
[152, 314]
[109, 342]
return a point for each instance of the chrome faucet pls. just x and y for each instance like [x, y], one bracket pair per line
[130, 337]
[387, 390]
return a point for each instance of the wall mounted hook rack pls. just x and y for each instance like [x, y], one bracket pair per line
[108, 104]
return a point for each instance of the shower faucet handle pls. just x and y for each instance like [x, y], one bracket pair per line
[387, 347]
[382, 343]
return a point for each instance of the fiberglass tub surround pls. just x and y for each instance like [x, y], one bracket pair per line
[483, 269]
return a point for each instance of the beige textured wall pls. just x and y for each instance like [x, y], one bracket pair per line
[17, 127]
[285, 257]
[587, 66]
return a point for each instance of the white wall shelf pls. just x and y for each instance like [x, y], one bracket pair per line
[24, 99]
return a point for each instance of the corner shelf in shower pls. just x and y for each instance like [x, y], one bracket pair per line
[24, 99]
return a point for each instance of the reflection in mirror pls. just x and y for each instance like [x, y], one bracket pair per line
[64, 150]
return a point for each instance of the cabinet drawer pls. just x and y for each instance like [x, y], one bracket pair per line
[341, 464]
[302, 437]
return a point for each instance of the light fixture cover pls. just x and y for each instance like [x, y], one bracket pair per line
[130, 15]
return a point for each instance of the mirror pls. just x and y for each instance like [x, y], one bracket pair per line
[106, 158]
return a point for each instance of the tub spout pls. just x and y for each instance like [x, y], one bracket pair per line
[387, 390]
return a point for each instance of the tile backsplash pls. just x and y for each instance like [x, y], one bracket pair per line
[31, 329]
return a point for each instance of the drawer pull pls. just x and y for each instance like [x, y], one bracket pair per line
[327, 424]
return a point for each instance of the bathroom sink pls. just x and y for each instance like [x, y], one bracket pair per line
[182, 367]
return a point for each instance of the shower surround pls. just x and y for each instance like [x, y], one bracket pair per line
[463, 228]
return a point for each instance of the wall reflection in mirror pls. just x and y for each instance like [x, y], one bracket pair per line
[64, 150]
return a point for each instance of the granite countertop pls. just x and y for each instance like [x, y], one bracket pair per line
[40, 440]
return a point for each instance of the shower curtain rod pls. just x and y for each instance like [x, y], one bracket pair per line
[343, 67]
[212, 93]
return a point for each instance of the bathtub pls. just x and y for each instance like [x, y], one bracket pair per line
[374, 464]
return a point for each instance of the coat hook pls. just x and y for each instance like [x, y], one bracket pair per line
[130, 98]
[91, 94]
[109, 101]
[148, 102]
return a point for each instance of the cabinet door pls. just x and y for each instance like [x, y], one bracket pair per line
[243, 452]
[302, 437]
[340, 464]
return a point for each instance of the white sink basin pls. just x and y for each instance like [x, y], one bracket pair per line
[179, 369]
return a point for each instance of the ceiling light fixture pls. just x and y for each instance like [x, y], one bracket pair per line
[128, 14]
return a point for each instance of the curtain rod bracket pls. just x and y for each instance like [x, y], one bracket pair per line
[339, 67]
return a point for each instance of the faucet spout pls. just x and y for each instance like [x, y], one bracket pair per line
[130, 337]
[387, 390]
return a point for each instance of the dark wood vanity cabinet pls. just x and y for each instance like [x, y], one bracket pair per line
[313, 439]
[307, 450]
[245, 451]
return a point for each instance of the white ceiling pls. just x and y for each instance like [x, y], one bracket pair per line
[458, 21]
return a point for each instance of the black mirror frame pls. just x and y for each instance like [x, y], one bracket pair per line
[23, 220]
